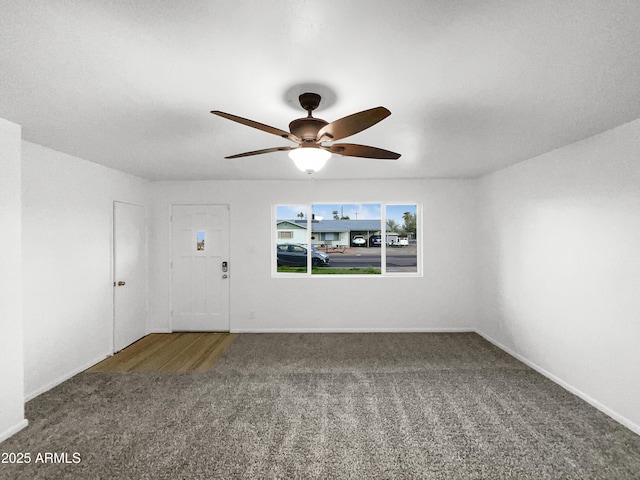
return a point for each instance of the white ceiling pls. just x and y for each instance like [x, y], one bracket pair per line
[472, 86]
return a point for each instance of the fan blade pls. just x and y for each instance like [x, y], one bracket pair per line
[354, 150]
[352, 124]
[258, 125]
[264, 150]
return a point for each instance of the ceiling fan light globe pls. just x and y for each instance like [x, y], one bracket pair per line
[309, 159]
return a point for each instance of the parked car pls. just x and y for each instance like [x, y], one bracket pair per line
[359, 241]
[375, 241]
[295, 254]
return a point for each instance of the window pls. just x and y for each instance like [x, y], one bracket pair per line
[371, 239]
[401, 238]
[200, 240]
[342, 232]
[329, 236]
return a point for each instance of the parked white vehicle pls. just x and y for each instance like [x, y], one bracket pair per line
[359, 241]
[393, 240]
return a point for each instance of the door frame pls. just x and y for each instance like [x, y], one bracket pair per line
[170, 256]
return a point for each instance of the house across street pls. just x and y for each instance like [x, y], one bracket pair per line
[335, 234]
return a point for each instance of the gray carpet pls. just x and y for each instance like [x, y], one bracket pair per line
[439, 406]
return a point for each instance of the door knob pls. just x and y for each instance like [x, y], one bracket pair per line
[225, 275]
[121, 283]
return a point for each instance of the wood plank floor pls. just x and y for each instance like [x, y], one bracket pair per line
[169, 352]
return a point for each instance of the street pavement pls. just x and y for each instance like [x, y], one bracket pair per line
[364, 257]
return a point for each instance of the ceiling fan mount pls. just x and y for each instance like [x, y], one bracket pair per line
[311, 133]
[309, 101]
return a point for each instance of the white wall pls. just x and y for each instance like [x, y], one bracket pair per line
[11, 369]
[560, 266]
[556, 238]
[445, 298]
[67, 251]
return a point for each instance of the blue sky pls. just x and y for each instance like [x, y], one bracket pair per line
[355, 211]
[289, 212]
[396, 212]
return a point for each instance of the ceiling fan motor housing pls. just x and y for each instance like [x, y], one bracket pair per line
[307, 128]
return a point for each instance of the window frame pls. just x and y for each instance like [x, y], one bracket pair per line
[383, 248]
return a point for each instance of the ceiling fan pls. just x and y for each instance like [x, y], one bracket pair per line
[309, 133]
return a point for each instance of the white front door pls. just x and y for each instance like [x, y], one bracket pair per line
[129, 274]
[200, 268]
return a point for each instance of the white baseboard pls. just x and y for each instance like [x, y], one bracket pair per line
[63, 378]
[353, 330]
[13, 430]
[635, 428]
